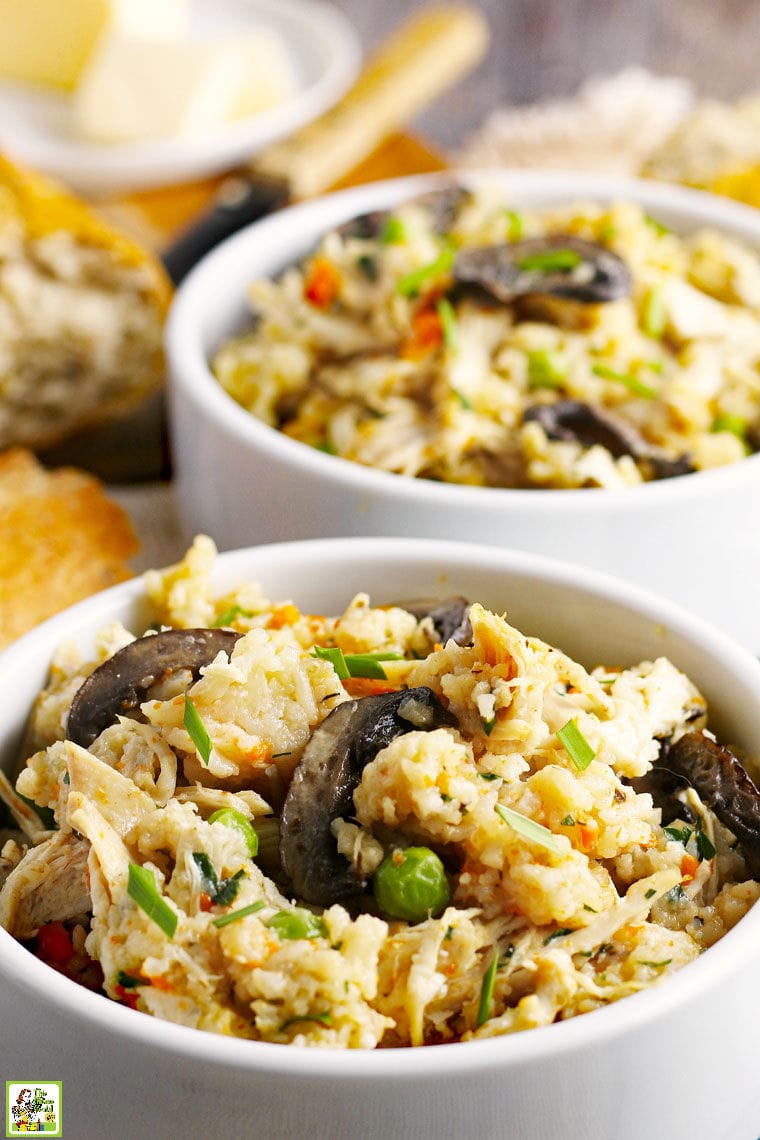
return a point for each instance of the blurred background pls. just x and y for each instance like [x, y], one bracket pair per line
[546, 48]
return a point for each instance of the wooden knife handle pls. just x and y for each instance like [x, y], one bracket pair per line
[427, 55]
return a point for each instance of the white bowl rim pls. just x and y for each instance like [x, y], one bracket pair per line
[735, 950]
[189, 368]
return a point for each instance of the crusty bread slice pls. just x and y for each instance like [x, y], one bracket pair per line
[81, 314]
[61, 539]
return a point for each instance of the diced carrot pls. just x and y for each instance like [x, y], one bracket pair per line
[587, 835]
[161, 983]
[321, 283]
[54, 943]
[426, 335]
[689, 867]
[206, 902]
[283, 615]
[126, 997]
[367, 686]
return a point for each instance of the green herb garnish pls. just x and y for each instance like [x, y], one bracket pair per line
[650, 893]
[488, 725]
[658, 227]
[356, 664]
[654, 316]
[220, 891]
[676, 894]
[486, 991]
[489, 776]
[658, 965]
[297, 923]
[326, 447]
[575, 744]
[680, 834]
[568, 821]
[368, 266]
[737, 425]
[705, 849]
[129, 981]
[236, 915]
[560, 933]
[448, 320]
[410, 284]
[632, 383]
[143, 890]
[393, 232]
[238, 822]
[515, 225]
[552, 261]
[528, 828]
[228, 617]
[466, 404]
[197, 730]
[324, 1018]
[546, 369]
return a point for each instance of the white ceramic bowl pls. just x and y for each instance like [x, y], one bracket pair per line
[676, 1061]
[694, 538]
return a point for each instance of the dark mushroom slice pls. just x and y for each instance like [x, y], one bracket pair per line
[576, 422]
[721, 782]
[444, 205]
[120, 684]
[663, 786]
[450, 617]
[366, 226]
[558, 265]
[326, 777]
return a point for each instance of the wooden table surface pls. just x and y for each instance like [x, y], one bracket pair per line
[546, 48]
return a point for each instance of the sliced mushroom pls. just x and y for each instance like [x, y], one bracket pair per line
[443, 206]
[323, 785]
[560, 265]
[577, 422]
[450, 617]
[367, 226]
[722, 783]
[120, 684]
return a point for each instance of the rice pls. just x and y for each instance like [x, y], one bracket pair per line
[563, 890]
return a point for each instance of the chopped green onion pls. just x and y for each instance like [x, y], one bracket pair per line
[656, 366]
[654, 317]
[486, 991]
[632, 383]
[326, 447]
[515, 225]
[449, 933]
[220, 891]
[236, 915]
[410, 284]
[393, 232]
[143, 889]
[129, 981]
[546, 369]
[590, 908]
[658, 227]
[553, 260]
[658, 965]
[489, 775]
[650, 893]
[528, 827]
[466, 404]
[448, 320]
[228, 617]
[324, 1018]
[297, 923]
[575, 744]
[238, 822]
[488, 725]
[559, 933]
[197, 730]
[356, 664]
[737, 425]
[568, 821]
[676, 894]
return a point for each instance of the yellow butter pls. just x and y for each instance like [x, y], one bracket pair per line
[135, 88]
[48, 42]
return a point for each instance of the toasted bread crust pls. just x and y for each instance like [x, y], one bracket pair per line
[61, 539]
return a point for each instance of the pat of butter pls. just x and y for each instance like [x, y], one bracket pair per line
[49, 42]
[136, 88]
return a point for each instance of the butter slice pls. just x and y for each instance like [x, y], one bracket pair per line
[48, 42]
[138, 88]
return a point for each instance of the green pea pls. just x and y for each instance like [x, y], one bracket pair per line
[411, 883]
[231, 818]
[297, 923]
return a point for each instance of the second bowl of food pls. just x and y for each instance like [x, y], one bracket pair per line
[550, 362]
[382, 837]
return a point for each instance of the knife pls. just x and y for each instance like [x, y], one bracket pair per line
[421, 59]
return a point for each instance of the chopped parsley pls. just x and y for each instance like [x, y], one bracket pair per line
[705, 848]
[143, 890]
[220, 891]
[680, 834]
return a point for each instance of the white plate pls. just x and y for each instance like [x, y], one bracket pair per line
[36, 128]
